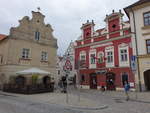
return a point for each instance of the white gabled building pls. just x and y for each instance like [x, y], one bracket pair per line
[69, 61]
[139, 15]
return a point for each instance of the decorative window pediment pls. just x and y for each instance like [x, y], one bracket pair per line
[123, 45]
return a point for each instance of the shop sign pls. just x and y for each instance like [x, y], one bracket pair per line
[133, 63]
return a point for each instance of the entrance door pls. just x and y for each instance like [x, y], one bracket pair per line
[93, 81]
[110, 81]
[147, 79]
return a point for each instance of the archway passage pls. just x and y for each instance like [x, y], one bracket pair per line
[93, 81]
[147, 79]
[110, 81]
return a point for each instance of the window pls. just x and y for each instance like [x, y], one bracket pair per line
[82, 61]
[82, 78]
[109, 57]
[82, 58]
[37, 35]
[123, 55]
[147, 18]
[44, 56]
[148, 46]
[124, 78]
[100, 57]
[25, 53]
[92, 57]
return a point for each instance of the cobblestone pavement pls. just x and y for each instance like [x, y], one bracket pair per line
[116, 101]
[113, 101]
[15, 104]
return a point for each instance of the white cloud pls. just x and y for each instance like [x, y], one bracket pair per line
[65, 16]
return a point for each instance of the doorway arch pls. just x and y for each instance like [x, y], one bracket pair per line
[110, 81]
[147, 79]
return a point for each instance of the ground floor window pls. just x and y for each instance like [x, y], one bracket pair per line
[82, 78]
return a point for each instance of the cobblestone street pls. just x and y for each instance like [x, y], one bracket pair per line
[91, 101]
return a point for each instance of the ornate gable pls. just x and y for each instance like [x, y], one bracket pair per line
[28, 27]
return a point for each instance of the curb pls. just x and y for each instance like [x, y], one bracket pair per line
[142, 101]
[89, 108]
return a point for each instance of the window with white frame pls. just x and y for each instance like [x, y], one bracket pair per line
[37, 35]
[146, 18]
[148, 46]
[82, 59]
[25, 53]
[109, 53]
[92, 58]
[109, 57]
[123, 55]
[44, 56]
[83, 56]
[100, 57]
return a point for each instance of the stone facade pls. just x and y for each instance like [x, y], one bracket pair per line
[23, 36]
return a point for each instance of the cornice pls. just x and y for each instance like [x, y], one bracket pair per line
[104, 41]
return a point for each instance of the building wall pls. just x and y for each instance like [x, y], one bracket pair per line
[109, 38]
[139, 28]
[142, 34]
[23, 36]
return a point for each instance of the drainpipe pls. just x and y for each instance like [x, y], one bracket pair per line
[137, 53]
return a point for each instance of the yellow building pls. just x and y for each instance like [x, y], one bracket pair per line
[31, 44]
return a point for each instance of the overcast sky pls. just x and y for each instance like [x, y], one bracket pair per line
[65, 16]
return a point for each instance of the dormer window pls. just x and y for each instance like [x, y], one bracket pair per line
[37, 35]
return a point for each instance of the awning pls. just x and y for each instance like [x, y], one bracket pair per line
[33, 71]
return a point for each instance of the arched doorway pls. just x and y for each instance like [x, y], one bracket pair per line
[110, 81]
[147, 79]
[46, 80]
[93, 81]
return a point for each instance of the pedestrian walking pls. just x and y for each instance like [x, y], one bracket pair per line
[126, 89]
[64, 83]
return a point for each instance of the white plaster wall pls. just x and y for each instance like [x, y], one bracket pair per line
[139, 24]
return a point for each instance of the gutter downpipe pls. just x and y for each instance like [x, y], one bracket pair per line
[137, 53]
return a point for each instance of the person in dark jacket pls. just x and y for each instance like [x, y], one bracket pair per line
[126, 89]
[64, 83]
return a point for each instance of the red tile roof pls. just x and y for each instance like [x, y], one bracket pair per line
[2, 36]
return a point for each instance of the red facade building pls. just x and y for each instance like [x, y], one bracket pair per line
[103, 56]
